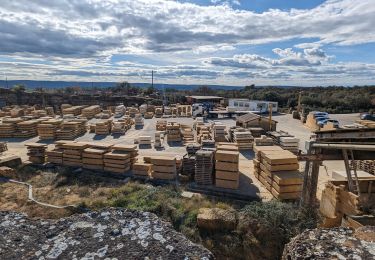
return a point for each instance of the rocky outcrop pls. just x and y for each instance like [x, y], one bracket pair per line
[335, 243]
[216, 219]
[111, 233]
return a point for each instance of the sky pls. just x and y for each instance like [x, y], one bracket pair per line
[224, 42]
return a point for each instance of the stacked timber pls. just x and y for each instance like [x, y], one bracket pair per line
[158, 112]
[263, 141]
[159, 139]
[311, 122]
[366, 123]
[173, 132]
[187, 134]
[204, 167]
[74, 110]
[39, 113]
[277, 170]
[103, 127]
[36, 152]
[50, 111]
[219, 132]
[243, 139]
[8, 127]
[150, 108]
[143, 109]
[142, 169]
[256, 131]
[227, 169]
[203, 133]
[167, 111]
[144, 140]
[208, 144]
[138, 120]
[163, 168]
[290, 144]
[47, 129]
[149, 115]
[70, 130]
[72, 153]
[17, 112]
[121, 158]
[93, 156]
[225, 146]
[91, 111]
[364, 165]
[161, 125]
[26, 129]
[118, 128]
[133, 111]
[55, 156]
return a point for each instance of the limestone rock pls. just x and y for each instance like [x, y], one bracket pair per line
[216, 219]
[110, 233]
[335, 243]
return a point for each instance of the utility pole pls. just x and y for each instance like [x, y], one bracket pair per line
[152, 79]
[6, 82]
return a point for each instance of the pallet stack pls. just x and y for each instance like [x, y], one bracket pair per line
[263, 141]
[290, 143]
[204, 167]
[36, 152]
[364, 165]
[70, 130]
[219, 132]
[144, 140]
[121, 158]
[133, 111]
[47, 129]
[159, 139]
[203, 133]
[256, 131]
[93, 156]
[187, 134]
[39, 113]
[72, 153]
[8, 127]
[188, 166]
[161, 125]
[158, 112]
[3, 147]
[26, 129]
[277, 170]
[118, 128]
[149, 115]
[143, 109]
[55, 156]
[103, 127]
[243, 139]
[227, 169]
[91, 111]
[163, 168]
[142, 169]
[173, 132]
[138, 120]
[192, 148]
[74, 110]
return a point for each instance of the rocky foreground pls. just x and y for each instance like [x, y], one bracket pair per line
[112, 233]
[335, 243]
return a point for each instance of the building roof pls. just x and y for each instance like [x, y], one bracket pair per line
[247, 118]
[205, 97]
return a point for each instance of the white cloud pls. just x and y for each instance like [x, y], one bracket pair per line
[64, 36]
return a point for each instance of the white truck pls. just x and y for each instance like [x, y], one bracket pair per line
[197, 110]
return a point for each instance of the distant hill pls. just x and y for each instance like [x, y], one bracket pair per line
[64, 84]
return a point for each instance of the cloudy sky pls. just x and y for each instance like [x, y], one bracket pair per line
[229, 42]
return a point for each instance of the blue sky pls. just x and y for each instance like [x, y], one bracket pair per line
[229, 42]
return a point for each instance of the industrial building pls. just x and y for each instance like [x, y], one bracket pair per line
[255, 106]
